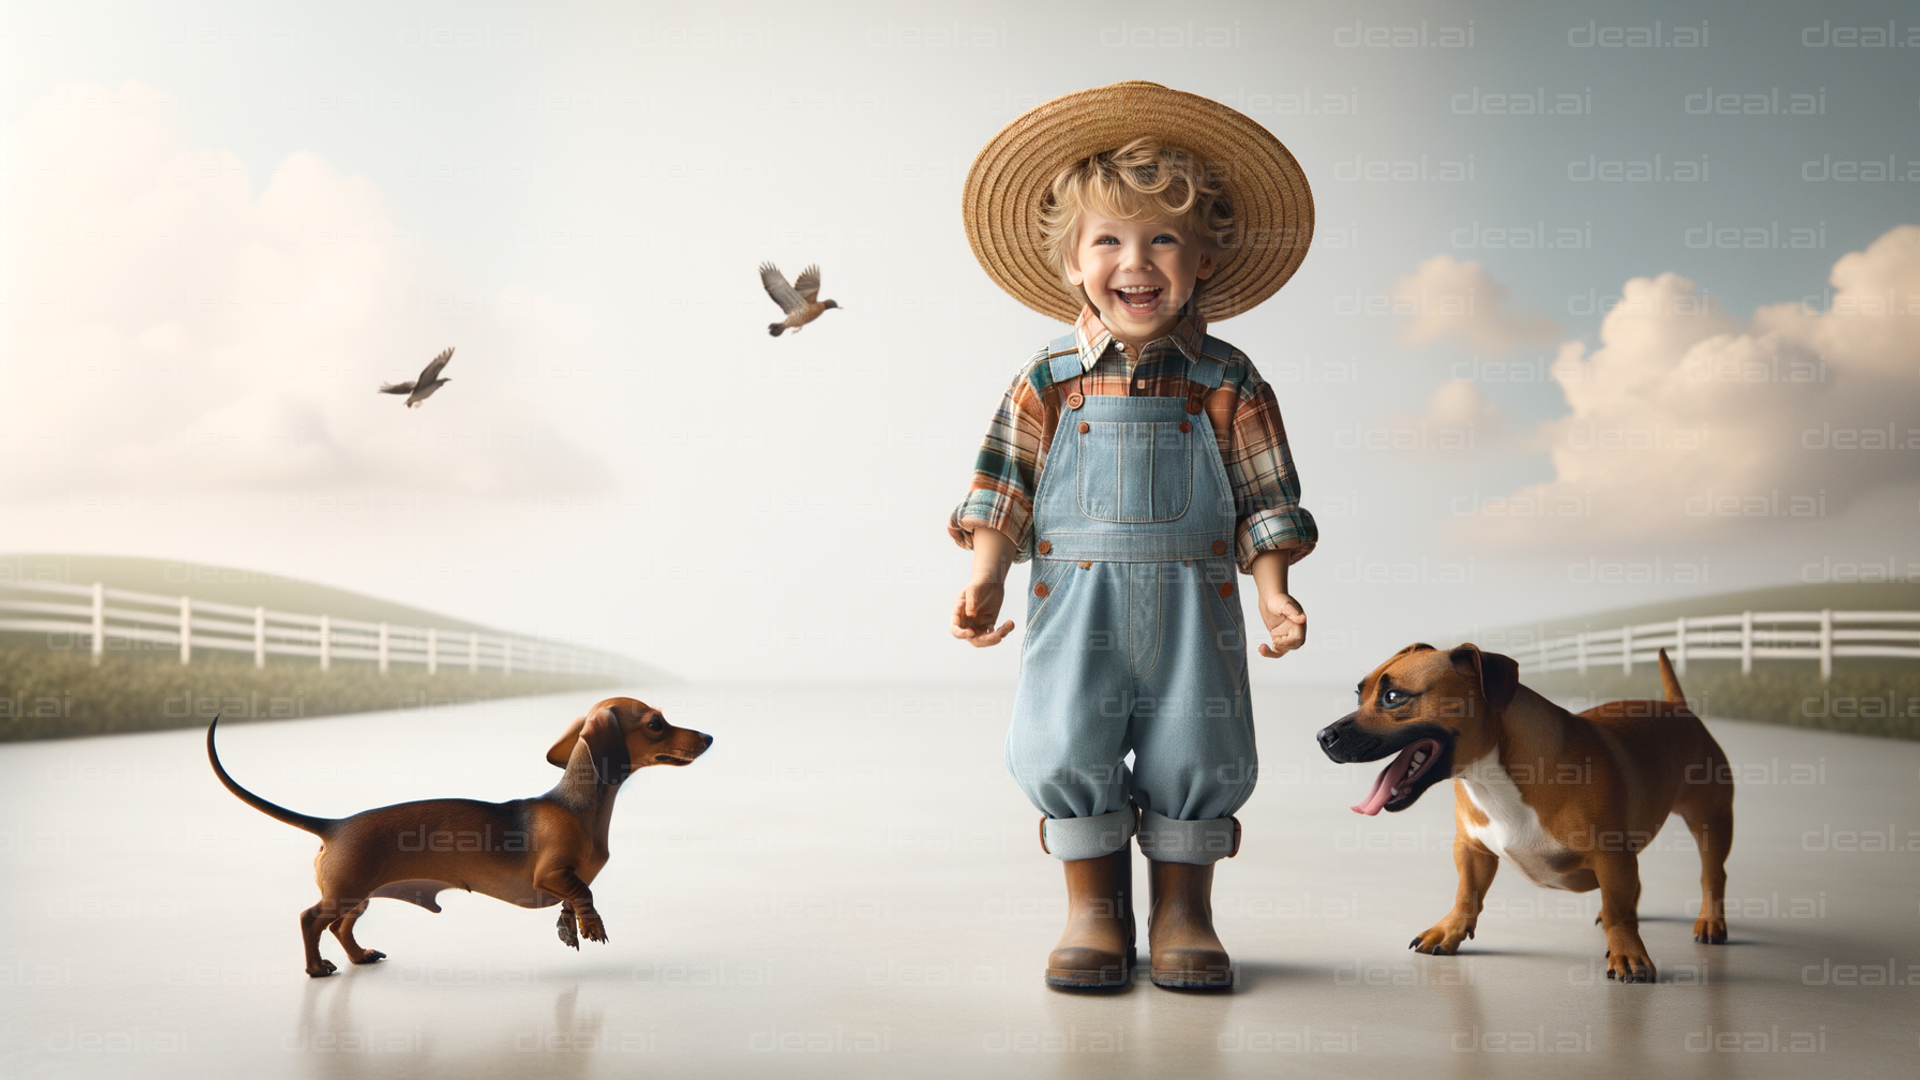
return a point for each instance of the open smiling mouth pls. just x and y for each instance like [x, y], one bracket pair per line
[1138, 301]
[1418, 766]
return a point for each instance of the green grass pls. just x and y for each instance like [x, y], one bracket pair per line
[54, 694]
[1864, 697]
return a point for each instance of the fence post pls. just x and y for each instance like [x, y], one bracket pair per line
[259, 637]
[186, 629]
[1826, 645]
[433, 650]
[383, 648]
[1746, 643]
[1680, 641]
[326, 642]
[1626, 650]
[473, 652]
[1580, 651]
[99, 621]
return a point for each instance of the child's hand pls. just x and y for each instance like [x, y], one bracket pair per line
[1286, 623]
[973, 614]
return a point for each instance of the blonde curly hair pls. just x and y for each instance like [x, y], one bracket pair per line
[1146, 178]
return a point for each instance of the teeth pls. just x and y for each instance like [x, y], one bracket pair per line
[1419, 756]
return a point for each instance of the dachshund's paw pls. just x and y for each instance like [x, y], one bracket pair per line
[1630, 963]
[321, 970]
[1708, 931]
[592, 927]
[1444, 938]
[369, 956]
[568, 936]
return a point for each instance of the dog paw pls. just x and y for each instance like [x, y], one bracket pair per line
[1444, 939]
[1630, 965]
[321, 970]
[1710, 931]
[568, 936]
[592, 927]
[369, 956]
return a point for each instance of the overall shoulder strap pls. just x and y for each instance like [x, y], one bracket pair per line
[1061, 370]
[1211, 367]
[1063, 357]
[1204, 389]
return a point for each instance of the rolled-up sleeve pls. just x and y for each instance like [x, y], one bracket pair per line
[1266, 490]
[1005, 471]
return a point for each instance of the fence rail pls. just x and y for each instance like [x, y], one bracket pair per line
[99, 615]
[1749, 636]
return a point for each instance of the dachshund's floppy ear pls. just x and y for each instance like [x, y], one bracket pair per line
[563, 748]
[600, 730]
[1499, 675]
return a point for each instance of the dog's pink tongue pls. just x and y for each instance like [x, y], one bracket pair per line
[1388, 779]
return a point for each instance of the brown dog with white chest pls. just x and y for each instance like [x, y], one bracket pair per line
[1571, 799]
[532, 852]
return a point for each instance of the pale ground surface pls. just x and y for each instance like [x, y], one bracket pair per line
[849, 886]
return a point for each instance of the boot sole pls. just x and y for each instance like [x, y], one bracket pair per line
[1104, 978]
[1087, 980]
[1188, 980]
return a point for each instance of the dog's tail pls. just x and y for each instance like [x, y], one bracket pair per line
[321, 827]
[775, 328]
[1669, 682]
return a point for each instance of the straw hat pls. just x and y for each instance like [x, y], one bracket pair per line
[1014, 172]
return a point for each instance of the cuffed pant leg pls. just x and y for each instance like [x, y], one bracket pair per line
[1072, 839]
[1209, 840]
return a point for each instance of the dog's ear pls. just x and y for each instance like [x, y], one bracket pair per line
[600, 730]
[1418, 646]
[563, 747]
[1499, 675]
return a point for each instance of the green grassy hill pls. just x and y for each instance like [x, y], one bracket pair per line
[50, 689]
[223, 585]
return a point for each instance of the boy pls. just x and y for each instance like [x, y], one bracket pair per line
[1136, 461]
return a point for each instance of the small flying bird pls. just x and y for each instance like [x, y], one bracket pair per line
[422, 388]
[797, 300]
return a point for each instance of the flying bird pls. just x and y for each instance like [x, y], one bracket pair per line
[797, 300]
[422, 388]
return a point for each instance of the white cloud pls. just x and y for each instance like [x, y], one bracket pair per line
[1459, 403]
[173, 329]
[1449, 298]
[1685, 421]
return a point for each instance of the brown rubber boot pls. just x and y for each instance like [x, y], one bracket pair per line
[1096, 950]
[1186, 953]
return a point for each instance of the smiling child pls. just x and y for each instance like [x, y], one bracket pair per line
[1139, 462]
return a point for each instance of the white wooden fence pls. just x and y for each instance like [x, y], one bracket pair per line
[1746, 637]
[98, 615]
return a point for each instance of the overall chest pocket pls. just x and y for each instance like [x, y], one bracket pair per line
[1135, 472]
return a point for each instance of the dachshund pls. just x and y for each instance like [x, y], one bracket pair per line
[532, 852]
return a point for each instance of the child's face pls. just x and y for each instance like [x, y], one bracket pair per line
[1138, 274]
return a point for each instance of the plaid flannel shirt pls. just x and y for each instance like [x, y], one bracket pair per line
[1266, 493]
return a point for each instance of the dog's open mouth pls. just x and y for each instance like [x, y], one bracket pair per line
[671, 759]
[1398, 785]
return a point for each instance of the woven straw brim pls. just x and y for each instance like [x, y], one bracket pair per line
[1013, 173]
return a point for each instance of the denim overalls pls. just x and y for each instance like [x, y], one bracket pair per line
[1135, 638]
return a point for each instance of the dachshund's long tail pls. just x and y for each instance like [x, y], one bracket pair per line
[321, 827]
